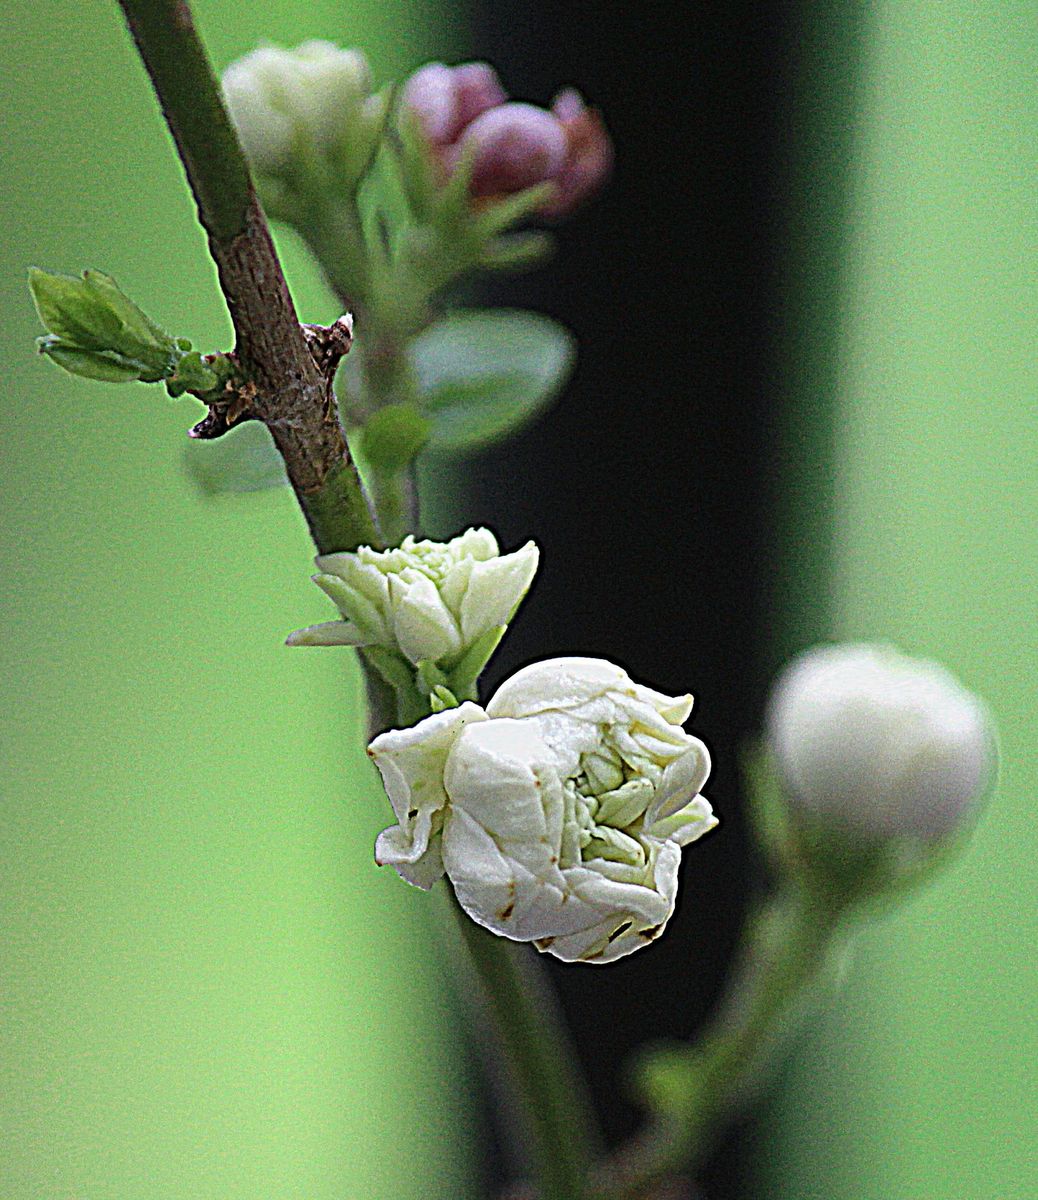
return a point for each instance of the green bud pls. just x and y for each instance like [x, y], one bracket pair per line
[93, 314]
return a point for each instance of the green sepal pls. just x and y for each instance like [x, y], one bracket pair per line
[351, 603]
[503, 214]
[328, 633]
[441, 698]
[517, 251]
[393, 436]
[429, 676]
[392, 667]
[463, 674]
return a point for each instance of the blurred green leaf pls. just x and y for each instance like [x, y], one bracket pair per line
[393, 436]
[483, 374]
[243, 460]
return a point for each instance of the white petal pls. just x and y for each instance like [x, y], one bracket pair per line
[422, 624]
[479, 544]
[556, 683]
[411, 763]
[494, 590]
[681, 780]
[687, 824]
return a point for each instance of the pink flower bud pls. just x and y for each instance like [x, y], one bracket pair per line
[516, 145]
[589, 153]
[446, 99]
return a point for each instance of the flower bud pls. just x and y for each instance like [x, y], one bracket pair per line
[297, 108]
[465, 116]
[589, 154]
[878, 745]
[558, 813]
[426, 602]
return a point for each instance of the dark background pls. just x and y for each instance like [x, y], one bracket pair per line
[651, 484]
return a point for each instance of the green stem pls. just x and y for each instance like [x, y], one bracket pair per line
[536, 1049]
[787, 945]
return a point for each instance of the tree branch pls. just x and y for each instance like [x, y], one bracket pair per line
[293, 395]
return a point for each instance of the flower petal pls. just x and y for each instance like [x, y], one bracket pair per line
[411, 763]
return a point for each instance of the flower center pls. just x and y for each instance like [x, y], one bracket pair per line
[608, 798]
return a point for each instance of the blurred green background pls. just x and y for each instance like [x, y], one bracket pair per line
[207, 989]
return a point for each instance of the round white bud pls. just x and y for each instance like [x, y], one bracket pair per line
[878, 743]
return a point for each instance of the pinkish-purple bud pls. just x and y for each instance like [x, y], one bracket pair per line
[589, 154]
[445, 99]
[516, 146]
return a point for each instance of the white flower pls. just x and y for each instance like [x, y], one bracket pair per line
[290, 104]
[558, 813]
[428, 601]
[881, 744]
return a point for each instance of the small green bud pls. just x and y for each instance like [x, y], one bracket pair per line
[97, 331]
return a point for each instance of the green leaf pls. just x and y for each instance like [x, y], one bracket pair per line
[243, 460]
[90, 364]
[483, 374]
[393, 436]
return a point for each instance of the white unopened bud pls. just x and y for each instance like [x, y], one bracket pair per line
[879, 744]
[291, 107]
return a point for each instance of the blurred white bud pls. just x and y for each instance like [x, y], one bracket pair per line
[294, 107]
[558, 813]
[879, 744]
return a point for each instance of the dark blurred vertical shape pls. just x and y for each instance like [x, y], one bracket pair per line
[652, 487]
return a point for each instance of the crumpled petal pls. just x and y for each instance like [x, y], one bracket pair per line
[411, 763]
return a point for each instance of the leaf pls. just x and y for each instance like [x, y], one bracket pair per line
[90, 364]
[243, 460]
[483, 374]
[393, 436]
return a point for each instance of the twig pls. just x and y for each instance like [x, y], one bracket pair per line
[293, 396]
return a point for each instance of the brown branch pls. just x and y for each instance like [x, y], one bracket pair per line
[293, 391]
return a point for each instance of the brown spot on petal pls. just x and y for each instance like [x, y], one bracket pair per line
[652, 934]
[507, 911]
[544, 943]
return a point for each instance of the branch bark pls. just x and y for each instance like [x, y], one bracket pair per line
[293, 395]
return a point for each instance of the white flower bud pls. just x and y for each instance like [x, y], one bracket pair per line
[558, 813]
[289, 105]
[881, 745]
[428, 601]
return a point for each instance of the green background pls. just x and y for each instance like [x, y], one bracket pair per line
[207, 989]
[913, 484]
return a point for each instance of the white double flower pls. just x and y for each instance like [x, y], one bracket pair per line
[558, 812]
